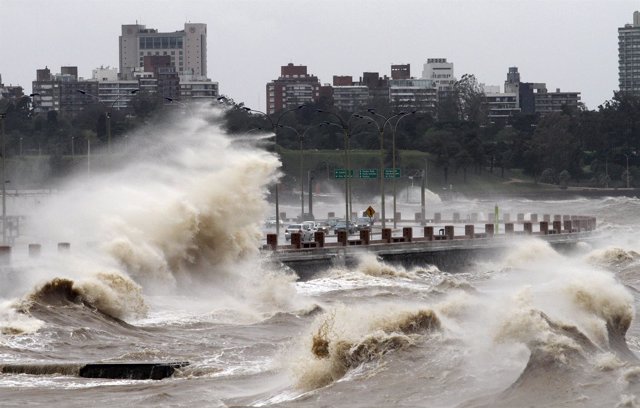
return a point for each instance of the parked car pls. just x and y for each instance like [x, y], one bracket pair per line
[342, 226]
[363, 223]
[312, 225]
[307, 233]
[323, 226]
[271, 222]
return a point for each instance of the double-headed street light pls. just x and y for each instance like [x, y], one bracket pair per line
[108, 113]
[274, 128]
[345, 129]
[3, 116]
[381, 129]
[393, 159]
[301, 138]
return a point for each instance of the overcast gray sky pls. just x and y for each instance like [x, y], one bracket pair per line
[569, 44]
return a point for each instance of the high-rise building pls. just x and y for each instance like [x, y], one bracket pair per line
[64, 92]
[186, 48]
[293, 88]
[441, 73]
[629, 56]
[413, 95]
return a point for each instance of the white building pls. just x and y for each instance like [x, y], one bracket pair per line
[187, 48]
[197, 87]
[441, 73]
[413, 94]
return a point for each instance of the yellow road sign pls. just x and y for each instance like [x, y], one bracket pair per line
[369, 212]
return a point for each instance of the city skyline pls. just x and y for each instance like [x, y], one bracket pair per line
[568, 44]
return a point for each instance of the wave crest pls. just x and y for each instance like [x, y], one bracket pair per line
[110, 293]
[334, 353]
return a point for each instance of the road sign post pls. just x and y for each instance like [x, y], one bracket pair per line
[342, 173]
[392, 173]
[368, 173]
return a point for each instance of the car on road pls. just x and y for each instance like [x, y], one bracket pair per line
[342, 226]
[307, 233]
[271, 222]
[363, 223]
[323, 226]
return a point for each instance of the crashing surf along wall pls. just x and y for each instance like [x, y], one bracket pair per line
[444, 249]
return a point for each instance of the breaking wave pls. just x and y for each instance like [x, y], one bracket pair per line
[111, 294]
[340, 342]
[612, 257]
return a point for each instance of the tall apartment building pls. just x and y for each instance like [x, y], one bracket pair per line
[629, 56]
[112, 91]
[441, 73]
[293, 88]
[186, 48]
[413, 94]
[526, 98]
[59, 92]
[378, 86]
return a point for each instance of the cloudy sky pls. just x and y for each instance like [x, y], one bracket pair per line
[569, 44]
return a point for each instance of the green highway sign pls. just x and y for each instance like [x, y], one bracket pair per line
[342, 173]
[368, 173]
[390, 173]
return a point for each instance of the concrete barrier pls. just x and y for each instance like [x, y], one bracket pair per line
[296, 240]
[544, 227]
[437, 217]
[318, 237]
[64, 247]
[557, 217]
[528, 228]
[272, 241]
[546, 217]
[508, 228]
[365, 236]
[428, 233]
[568, 227]
[386, 235]
[456, 217]
[5, 254]
[469, 231]
[407, 234]
[489, 229]
[342, 238]
[449, 231]
[34, 250]
[520, 217]
[557, 227]
[534, 218]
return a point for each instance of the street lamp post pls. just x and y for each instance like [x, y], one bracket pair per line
[345, 128]
[108, 113]
[301, 139]
[382, 190]
[274, 128]
[393, 160]
[4, 182]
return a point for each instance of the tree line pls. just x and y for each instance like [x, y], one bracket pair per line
[577, 147]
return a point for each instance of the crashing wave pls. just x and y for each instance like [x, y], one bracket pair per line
[109, 293]
[334, 353]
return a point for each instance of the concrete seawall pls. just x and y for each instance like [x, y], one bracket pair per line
[445, 249]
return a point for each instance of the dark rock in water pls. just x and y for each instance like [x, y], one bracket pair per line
[131, 371]
[127, 371]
